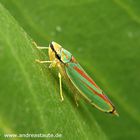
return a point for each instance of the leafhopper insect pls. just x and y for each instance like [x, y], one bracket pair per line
[72, 71]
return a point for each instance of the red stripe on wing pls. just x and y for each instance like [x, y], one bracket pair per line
[104, 97]
[82, 73]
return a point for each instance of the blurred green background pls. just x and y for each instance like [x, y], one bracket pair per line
[104, 36]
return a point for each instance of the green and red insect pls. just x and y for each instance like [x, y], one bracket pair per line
[75, 75]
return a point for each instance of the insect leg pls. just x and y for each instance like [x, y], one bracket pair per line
[76, 99]
[40, 47]
[60, 83]
[53, 63]
[42, 62]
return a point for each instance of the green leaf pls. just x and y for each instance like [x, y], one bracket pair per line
[104, 38]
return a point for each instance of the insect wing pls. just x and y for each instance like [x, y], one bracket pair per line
[88, 88]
